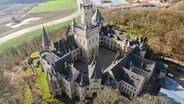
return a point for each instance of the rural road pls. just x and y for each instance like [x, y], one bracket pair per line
[23, 31]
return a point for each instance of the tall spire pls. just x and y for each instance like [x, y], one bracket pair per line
[97, 17]
[82, 81]
[116, 57]
[108, 82]
[45, 39]
[74, 22]
[86, 26]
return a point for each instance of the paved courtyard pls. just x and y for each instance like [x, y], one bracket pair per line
[105, 58]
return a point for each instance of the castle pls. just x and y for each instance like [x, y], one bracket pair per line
[83, 63]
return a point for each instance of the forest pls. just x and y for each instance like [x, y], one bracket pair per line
[164, 29]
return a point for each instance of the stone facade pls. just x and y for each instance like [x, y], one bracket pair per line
[128, 71]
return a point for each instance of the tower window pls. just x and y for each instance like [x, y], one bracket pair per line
[89, 42]
[84, 42]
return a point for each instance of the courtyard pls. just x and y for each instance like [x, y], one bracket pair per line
[105, 59]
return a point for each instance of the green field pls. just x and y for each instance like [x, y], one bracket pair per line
[54, 5]
[28, 36]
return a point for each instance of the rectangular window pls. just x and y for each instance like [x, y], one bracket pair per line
[84, 42]
[89, 42]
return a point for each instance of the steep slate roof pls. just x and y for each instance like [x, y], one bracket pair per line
[127, 76]
[142, 63]
[120, 70]
[106, 79]
[45, 38]
[97, 17]
[82, 80]
[66, 45]
[107, 30]
[86, 26]
[59, 64]
[94, 70]
[70, 73]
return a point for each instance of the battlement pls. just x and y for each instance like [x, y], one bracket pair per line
[86, 6]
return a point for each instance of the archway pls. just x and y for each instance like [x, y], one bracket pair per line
[94, 95]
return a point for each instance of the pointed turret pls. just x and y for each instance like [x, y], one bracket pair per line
[45, 39]
[128, 46]
[136, 38]
[108, 82]
[52, 47]
[97, 17]
[73, 22]
[86, 26]
[95, 75]
[116, 57]
[82, 84]
[142, 46]
[73, 25]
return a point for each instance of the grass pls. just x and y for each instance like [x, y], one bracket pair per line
[34, 55]
[42, 83]
[27, 94]
[54, 5]
[132, 32]
[30, 35]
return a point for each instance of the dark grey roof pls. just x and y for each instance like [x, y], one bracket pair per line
[82, 80]
[94, 70]
[65, 45]
[45, 38]
[142, 46]
[97, 17]
[97, 74]
[67, 73]
[107, 30]
[106, 79]
[59, 65]
[127, 76]
[86, 26]
[142, 63]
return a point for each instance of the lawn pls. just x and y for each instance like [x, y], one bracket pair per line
[28, 36]
[54, 5]
[27, 94]
[132, 32]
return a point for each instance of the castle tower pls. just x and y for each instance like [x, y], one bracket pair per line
[86, 12]
[87, 32]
